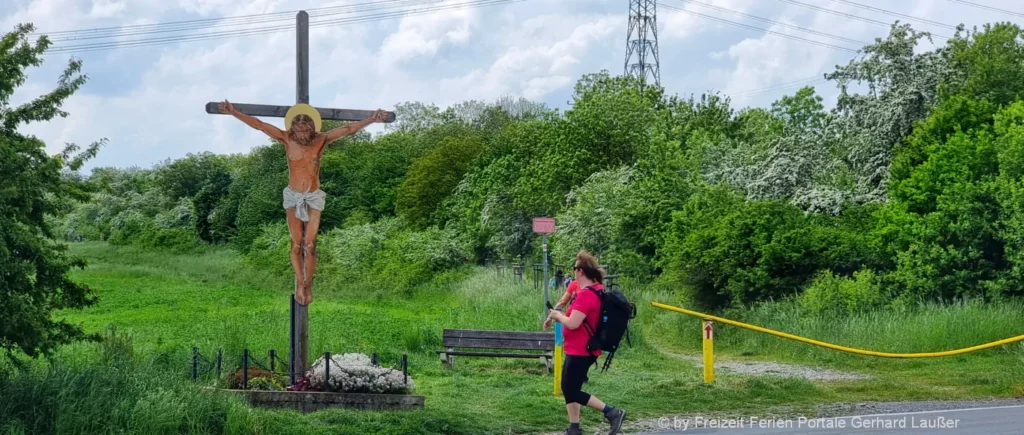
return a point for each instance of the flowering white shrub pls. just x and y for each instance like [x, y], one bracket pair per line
[353, 373]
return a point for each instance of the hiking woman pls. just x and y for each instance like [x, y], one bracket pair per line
[579, 318]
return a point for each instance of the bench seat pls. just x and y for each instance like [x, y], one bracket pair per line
[540, 345]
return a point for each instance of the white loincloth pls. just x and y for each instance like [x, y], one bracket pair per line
[303, 201]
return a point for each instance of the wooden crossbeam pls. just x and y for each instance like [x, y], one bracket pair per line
[280, 111]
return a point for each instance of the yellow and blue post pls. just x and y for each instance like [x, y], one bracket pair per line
[707, 332]
[558, 359]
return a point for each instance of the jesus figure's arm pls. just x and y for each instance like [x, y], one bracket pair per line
[353, 128]
[274, 132]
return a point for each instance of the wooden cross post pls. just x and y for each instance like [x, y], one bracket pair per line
[299, 313]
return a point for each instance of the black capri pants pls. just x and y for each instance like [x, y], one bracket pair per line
[574, 374]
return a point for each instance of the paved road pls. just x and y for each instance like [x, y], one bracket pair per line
[971, 421]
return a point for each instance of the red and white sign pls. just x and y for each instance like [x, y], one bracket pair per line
[707, 330]
[544, 225]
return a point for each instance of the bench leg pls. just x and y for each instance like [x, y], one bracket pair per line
[446, 359]
[546, 360]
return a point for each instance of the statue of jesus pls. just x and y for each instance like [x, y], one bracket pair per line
[303, 199]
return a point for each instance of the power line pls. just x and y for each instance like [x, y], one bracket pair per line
[851, 16]
[788, 85]
[809, 41]
[266, 30]
[991, 8]
[284, 14]
[895, 14]
[114, 32]
[754, 17]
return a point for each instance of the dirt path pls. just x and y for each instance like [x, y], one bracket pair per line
[773, 369]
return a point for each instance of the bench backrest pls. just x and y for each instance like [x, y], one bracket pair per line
[482, 339]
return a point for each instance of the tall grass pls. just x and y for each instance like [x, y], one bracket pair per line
[168, 303]
[107, 389]
[927, 327]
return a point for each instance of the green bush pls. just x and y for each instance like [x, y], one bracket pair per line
[725, 250]
[384, 251]
[411, 258]
[175, 239]
[831, 294]
[271, 250]
[131, 228]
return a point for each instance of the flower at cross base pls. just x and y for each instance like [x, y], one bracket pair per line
[354, 373]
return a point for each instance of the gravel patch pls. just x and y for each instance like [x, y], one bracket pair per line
[776, 369]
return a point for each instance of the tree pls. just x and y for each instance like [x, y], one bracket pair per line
[185, 177]
[902, 87]
[802, 111]
[987, 66]
[432, 178]
[34, 267]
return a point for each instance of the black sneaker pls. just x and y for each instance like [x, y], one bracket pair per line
[571, 431]
[616, 418]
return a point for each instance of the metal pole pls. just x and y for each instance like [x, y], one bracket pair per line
[245, 369]
[708, 350]
[544, 240]
[559, 349]
[291, 343]
[327, 371]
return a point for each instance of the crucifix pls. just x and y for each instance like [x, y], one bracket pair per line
[302, 198]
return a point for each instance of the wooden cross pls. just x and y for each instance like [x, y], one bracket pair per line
[299, 313]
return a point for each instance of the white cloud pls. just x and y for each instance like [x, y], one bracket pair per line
[423, 35]
[106, 9]
[674, 24]
[149, 101]
[535, 66]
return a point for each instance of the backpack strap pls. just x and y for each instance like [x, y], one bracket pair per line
[586, 326]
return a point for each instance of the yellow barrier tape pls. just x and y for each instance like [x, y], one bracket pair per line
[837, 347]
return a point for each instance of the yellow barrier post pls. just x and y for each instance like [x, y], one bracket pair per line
[558, 359]
[709, 352]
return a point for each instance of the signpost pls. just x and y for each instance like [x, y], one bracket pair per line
[545, 226]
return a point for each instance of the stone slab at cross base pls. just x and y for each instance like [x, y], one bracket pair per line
[309, 401]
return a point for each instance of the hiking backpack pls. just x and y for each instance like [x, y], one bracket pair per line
[615, 314]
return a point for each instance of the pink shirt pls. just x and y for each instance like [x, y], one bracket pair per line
[576, 339]
[572, 288]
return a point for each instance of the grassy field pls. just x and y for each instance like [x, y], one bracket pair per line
[162, 305]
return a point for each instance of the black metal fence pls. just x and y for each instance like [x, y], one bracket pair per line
[203, 365]
[553, 269]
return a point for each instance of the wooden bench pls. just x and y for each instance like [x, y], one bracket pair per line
[542, 343]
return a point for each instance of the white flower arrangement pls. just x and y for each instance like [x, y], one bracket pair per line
[354, 373]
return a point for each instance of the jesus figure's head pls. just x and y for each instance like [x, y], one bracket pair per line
[302, 130]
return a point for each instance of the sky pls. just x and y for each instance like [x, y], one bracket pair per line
[148, 101]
